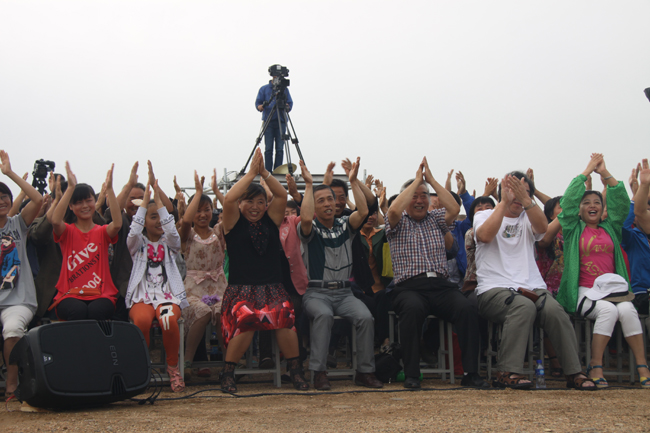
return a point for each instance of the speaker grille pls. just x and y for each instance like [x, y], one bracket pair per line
[118, 387]
[106, 327]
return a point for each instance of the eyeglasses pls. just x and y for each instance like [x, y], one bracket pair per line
[5, 197]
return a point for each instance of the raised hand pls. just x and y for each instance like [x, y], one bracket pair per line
[133, 177]
[198, 184]
[177, 188]
[151, 176]
[147, 196]
[109, 178]
[448, 181]
[518, 188]
[644, 173]
[633, 180]
[460, 183]
[258, 161]
[382, 198]
[72, 179]
[594, 162]
[379, 186]
[588, 183]
[156, 195]
[346, 165]
[5, 163]
[531, 175]
[213, 181]
[507, 194]
[306, 176]
[369, 180]
[491, 185]
[428, 176]
[354, 170]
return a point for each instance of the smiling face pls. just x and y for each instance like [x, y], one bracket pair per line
[591, 210]
[325, 205]
[152, 223]
[419, 206]
[203, 216]
[84, 209]
[341, 201]
[253, 208]
[372, 221]
[5, 204]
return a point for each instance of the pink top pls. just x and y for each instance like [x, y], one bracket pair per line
[596, 255]
[291, 246]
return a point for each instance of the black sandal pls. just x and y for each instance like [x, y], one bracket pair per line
[296, 374]
[227, 378]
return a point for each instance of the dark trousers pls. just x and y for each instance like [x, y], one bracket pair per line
[76, 309]
[273, 134]
[414, 300]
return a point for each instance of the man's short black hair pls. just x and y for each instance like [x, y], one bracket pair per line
[321, 187]
[339, 183]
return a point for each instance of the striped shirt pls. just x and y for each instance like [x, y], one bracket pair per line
[328, 252]
[418, 246]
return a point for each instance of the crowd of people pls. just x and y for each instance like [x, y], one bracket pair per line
[264, 258]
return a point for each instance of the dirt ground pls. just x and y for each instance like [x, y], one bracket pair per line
[439, 406]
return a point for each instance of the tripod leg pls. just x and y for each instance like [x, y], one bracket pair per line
[294, 138]
[265, 126]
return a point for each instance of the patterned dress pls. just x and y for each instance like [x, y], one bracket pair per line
[551, 266]
[255, 298]
[205, 276]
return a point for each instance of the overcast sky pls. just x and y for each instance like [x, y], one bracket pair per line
[481, 86]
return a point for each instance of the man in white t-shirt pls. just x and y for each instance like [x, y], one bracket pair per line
[505, 262]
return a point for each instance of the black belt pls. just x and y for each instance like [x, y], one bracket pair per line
[329, 284]
[425, 275]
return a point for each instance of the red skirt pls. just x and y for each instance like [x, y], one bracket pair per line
[255, 308]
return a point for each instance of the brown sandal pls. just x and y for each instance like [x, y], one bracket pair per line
[511, 380]
[577, 381]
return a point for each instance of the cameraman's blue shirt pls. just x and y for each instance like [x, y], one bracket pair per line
[265, 94]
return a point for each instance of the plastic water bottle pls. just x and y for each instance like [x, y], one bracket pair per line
[215, 353]
[540, 381]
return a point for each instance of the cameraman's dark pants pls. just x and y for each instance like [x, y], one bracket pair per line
[415, 299]
[274, 133]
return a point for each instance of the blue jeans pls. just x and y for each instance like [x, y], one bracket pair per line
[272, 133]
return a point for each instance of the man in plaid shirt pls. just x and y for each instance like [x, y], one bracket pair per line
[418, 240]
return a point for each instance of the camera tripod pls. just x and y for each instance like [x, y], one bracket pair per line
[288, 137]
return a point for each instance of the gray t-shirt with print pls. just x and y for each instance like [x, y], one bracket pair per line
[17, 283]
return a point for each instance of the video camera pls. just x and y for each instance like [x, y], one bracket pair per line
[279, 81]
[41, 169]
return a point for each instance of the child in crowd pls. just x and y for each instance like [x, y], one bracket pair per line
[156, 287]
[85, 288]
[205, 282]
[17, 294]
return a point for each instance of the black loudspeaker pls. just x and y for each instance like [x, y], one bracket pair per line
[82, 363]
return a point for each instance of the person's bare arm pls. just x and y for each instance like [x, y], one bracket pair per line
[539, 194]
[329, 173]
[554, 228]
[36, 199]
[231, 201]
[641, 198]
[292, 188]
[190, 211]
[535, 214]
[360, 197]
[116, 213]
[369, 197]
[278, 204]
[157, 189]
[18, 201]
[488, 230]
[402, 201]
[218, 195]
[123, 196]
[307, 207]
[452, 208]
[101, 198]
[62, 206]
